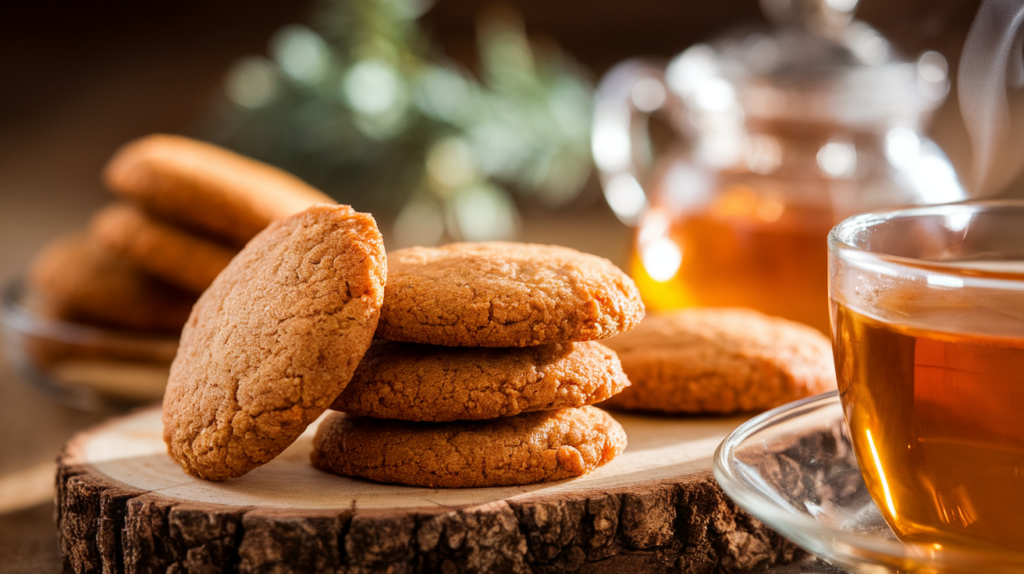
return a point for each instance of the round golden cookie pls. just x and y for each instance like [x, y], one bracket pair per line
[502, 294]
[206, 187]
[274, 340]
[78, 280]
[177, 257]
[714, 360]
[532, 447]
[415, 382]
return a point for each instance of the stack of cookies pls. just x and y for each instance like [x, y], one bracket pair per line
[186, 209]
[481, 374]
[484, 369]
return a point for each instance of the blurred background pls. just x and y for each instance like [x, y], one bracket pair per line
[79, 80]
[449, 120]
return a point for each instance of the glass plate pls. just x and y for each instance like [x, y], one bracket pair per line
[84, 366]
[794, 469]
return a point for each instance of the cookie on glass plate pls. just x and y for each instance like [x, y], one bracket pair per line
[75, 279]
[176, 256]
[205, 187]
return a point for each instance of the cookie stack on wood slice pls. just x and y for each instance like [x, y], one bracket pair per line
[186, 208]
[484, 370]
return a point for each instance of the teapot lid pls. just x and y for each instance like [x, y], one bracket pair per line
[817, 64]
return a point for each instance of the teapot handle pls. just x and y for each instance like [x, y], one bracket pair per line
[627, 96]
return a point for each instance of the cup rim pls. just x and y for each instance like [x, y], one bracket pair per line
[840, 244]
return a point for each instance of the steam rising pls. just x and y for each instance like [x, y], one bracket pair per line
[991, 92]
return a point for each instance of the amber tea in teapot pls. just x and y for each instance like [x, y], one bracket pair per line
[779, 134]
[743, 250]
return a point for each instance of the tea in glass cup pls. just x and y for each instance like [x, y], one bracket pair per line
[928, 332]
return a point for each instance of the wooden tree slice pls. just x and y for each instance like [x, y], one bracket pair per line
[124, 506]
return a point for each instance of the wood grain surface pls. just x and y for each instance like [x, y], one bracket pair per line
[123, 504]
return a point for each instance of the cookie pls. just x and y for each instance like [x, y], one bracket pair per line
[713, 360]
[205, 187]
[532, 447]
[274, 340]
[188, 261]
[505, 295]
[80, 281]
[415, 382]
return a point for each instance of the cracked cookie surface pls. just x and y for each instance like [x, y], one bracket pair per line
[274, 340]
[416, 382]
[712, 360]
[502, 294]
[529, 448]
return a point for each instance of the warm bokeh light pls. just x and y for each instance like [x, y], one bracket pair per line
[838, 159]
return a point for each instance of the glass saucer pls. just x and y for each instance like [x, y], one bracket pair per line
[83, 366]
[795, 470]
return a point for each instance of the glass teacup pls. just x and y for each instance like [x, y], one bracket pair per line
[927, 309]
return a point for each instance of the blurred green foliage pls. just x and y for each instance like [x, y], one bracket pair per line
[364, 107]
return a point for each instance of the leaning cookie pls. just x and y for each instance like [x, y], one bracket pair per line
[180, 258]
[706, 360]
[414, 382]
[505, 295]
[529, 448]
[274, 340]
[205, 187]
[75, 279]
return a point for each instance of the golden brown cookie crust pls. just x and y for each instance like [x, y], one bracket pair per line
[206, 187]
[529, 448]
[177, 257]
[705, 360]
[415, 382]
[78, 280]
[502, 294]
[274, 340]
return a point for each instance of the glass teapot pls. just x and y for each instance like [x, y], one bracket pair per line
[775, 135]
